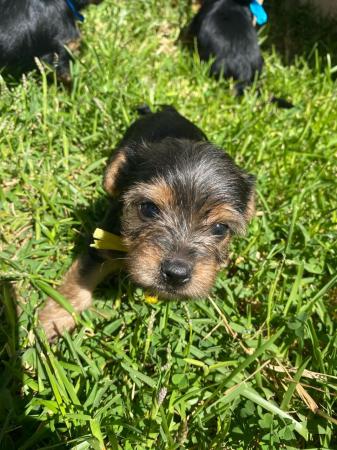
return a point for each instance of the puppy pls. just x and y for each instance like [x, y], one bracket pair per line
[39, 28]
[224, 30]
[176, 201]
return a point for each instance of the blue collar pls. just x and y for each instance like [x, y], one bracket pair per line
[73, 9]
[259, 12]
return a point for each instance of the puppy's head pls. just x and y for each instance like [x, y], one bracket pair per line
[181, 203]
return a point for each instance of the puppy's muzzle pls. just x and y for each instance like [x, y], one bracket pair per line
[176, 272]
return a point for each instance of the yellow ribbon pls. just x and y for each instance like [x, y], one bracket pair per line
[103, 240]
[107, 241]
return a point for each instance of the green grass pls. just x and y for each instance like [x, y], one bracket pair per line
[235, 371]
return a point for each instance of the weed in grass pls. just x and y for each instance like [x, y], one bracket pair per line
[253, 366]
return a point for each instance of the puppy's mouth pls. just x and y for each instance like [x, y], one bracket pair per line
[166, 291]
[172, 276]
[170, 292]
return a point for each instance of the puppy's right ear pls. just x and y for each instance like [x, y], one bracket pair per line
[116, 168]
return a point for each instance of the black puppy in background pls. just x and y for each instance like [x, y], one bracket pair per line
[224, 30]
[42, 29]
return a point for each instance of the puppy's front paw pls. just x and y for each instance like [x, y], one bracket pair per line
[65, 78]
[55, 320]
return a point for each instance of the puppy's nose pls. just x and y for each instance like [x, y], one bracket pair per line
[176, 271]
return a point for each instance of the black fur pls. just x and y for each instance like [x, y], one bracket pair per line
[223, 30]
[154, 127]
[177, 150]
[37, 28]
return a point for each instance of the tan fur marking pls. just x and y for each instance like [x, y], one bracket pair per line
[203, 277]
[111, 172]
[226, 214]
[74, 45]
[144, 264]
[250, 210]
[78, 290]
[223, 213]
[65, 79]
[158, 191]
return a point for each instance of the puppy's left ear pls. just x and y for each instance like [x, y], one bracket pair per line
[115, 171]
[250, 205]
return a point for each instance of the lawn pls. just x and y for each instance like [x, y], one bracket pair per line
[254, 366]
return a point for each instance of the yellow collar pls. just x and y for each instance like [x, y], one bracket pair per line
[103, 240]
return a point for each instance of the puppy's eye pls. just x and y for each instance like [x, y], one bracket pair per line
[220, 229]
[148, 210]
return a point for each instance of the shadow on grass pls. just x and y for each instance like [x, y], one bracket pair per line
[17, 430]
[20, 428]
[89, 217]
[297, 30]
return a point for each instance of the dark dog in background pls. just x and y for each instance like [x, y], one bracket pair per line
[42, 29]
[176, 201]
[224, 30]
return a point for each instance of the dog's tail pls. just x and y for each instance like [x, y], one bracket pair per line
[278, 101]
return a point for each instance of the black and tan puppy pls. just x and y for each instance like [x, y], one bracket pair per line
[224, 30]
[42, 29]
[176, 201]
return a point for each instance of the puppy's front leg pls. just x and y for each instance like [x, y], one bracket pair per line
[63, 67]
[80, 281]
[60, 61]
